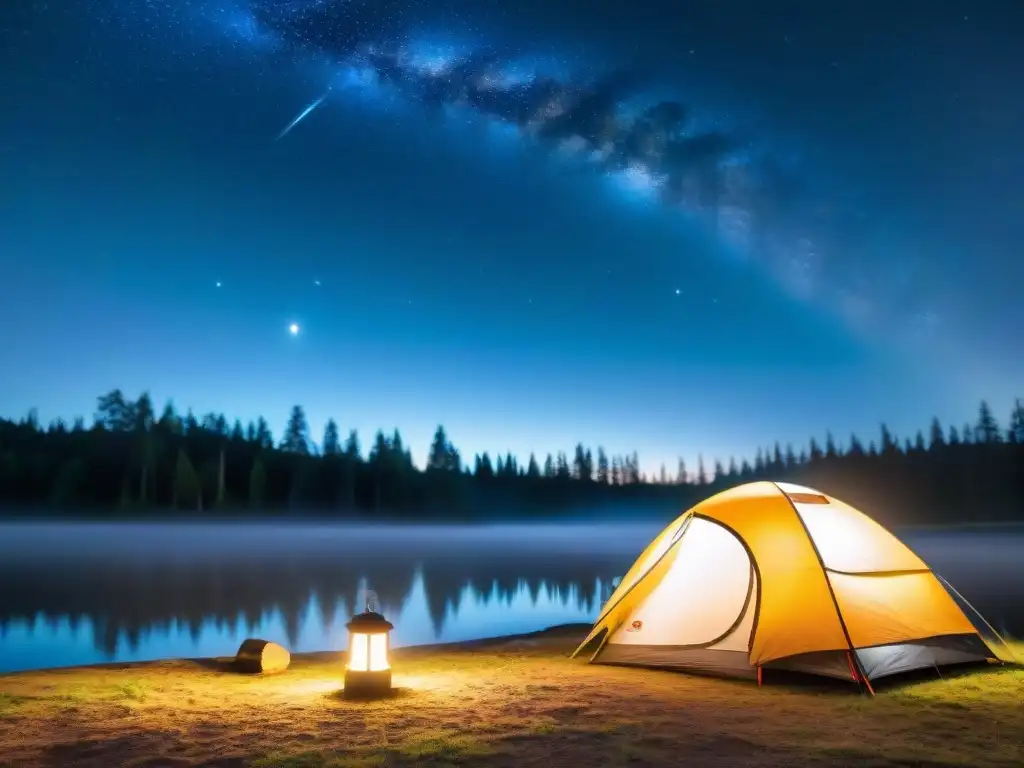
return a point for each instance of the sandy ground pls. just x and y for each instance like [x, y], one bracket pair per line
[514, 702]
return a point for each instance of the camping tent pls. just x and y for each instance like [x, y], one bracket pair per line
[778, 576]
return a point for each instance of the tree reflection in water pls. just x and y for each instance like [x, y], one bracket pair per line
[89, 593]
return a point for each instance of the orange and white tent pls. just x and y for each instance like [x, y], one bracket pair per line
[778, 576]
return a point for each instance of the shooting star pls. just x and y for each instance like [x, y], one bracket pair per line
[302, 116]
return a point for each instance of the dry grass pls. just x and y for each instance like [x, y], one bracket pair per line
[513, 703]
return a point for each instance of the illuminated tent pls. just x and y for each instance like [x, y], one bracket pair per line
[778, 576]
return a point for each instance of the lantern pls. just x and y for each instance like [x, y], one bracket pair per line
[368, 672]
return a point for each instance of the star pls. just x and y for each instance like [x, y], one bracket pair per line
[316, 283]
[678, 292]
[218, 283]
[293, 329]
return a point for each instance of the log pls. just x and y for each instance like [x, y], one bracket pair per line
[262, 657]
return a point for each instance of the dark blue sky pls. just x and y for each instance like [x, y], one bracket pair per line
[447, 263]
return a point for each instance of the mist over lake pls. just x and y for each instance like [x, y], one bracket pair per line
[82, 593]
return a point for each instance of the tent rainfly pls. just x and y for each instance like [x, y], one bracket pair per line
[778, 576]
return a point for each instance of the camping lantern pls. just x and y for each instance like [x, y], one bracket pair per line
[368, 672]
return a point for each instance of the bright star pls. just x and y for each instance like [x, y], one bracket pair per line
[677, 291]
[218, 283]
[293, 329]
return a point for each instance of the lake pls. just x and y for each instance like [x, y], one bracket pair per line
[87, 593]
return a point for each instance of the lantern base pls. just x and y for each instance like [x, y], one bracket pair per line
[367, 685]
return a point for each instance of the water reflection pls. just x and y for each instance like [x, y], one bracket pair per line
[81, 594]
[75, 594]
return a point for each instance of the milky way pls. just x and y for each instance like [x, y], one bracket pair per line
[731, 185]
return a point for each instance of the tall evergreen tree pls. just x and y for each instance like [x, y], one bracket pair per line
[987, 429]
[264, 438]
[1015, 434]
[332, 440]
[681, 472]
[532, 470]
[296, 433]
[702, 476]
[114, 412]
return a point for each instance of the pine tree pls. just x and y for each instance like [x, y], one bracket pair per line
[296, 433]
[602, 467]
[967, 434]
[790, 458]
[1015, 434]
[937, 440]
[815, 451]
[437, 456]
[484, 468]
[114, 412]
[263, 436]
[352, 450]
[549, 466]
[702, 477]
[332, 441]
[681, 472]
[579, 463]
[562, 466]
[919, 445]
[830, 447]
[169, 422]
[889, 444]
[987, 429]
[532, 470]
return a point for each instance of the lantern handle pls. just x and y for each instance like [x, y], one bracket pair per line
[370, 599]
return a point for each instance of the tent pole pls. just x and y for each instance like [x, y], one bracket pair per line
[599, 647]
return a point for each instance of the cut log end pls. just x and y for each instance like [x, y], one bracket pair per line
[262, 657]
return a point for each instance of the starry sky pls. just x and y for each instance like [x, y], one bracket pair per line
[665, 226]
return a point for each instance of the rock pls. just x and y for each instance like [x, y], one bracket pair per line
[262, 656]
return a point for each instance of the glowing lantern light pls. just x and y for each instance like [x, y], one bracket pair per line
[368, 672]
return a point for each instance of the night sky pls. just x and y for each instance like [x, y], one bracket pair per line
[659, 225]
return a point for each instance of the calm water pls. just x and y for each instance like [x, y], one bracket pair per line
[87, 593]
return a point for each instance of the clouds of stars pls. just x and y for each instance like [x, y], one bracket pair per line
[732, 185]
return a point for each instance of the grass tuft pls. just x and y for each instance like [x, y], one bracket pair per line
[9, 705]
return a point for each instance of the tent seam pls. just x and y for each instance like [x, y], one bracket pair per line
[828, 583]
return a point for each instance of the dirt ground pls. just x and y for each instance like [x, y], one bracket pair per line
[518, 702]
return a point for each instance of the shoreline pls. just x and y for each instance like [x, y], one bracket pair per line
[555, 632]
[325, 520]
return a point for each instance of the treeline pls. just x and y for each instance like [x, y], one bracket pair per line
[133, 459]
